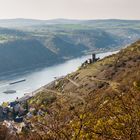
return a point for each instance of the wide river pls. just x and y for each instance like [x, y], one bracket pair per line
[40, 77]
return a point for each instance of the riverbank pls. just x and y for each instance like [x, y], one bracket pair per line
[32, 94]
[37, 79]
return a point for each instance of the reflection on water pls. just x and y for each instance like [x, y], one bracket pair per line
[39, 78]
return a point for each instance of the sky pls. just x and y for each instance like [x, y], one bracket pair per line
[70, 9]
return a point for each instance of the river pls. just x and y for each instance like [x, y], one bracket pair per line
[40, 77]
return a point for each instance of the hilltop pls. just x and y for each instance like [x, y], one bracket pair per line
[99, 101]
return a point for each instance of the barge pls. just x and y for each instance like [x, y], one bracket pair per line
[12, 83]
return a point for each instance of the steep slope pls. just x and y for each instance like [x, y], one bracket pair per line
[67, 49]
[99, 101]
[62, 47]
[24, 54]
[77, 41]
[51, 47]
[94, 39]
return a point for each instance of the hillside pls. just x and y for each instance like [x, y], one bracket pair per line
[23, 55]
[100, 101]
[60, 38]
[21, 50]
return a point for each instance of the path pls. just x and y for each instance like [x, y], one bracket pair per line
[75, 95]
[113, 85]
[73, 82]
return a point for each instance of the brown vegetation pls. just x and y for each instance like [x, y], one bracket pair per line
[104, 106]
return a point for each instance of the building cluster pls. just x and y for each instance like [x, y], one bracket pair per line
[91, 60]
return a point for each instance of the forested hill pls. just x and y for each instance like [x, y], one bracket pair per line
[20, 55]
[28, 44]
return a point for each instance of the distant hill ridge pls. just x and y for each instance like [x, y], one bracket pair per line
[22, 21]
[47, 42]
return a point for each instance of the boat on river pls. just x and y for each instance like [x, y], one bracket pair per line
[9, 91]
[12, 83]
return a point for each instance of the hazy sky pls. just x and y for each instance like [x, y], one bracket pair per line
[72, 9]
